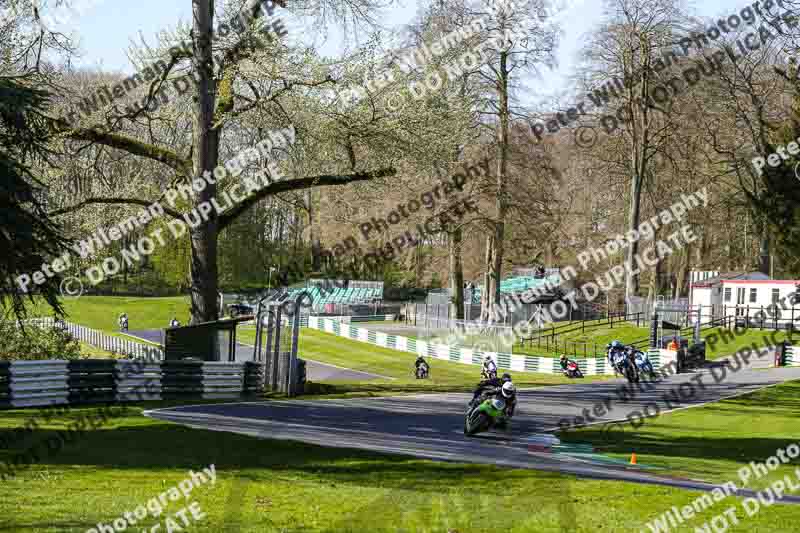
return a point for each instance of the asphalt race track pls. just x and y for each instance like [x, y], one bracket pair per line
[315, 371]
[431, 425]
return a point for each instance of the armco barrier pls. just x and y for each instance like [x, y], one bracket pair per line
[40, 383]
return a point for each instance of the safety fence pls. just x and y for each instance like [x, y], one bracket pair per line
[790, 355]
[104, 341]
[350, 319]
[515, 362]
[38, 383]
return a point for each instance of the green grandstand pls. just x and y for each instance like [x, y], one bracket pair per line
[336, 295]
[519, 284]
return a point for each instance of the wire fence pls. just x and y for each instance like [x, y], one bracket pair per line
[469, 334]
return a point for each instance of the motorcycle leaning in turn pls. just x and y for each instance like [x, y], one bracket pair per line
[484, 415]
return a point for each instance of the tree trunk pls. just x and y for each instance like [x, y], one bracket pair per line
[204, 270]
[495, 242]
[632, 279]
[640, 144]
[682, 271]
[456, 275]
[764, 250]
[313, 235]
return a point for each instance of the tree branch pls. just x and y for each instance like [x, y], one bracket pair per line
[277, 187]
[129, 201]
[126, 144]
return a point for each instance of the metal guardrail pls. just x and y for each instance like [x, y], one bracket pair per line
[51, 382]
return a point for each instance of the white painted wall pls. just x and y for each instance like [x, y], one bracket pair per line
[757, 294]
[701, 296]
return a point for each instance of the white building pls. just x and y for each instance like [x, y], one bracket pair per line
[745, 294]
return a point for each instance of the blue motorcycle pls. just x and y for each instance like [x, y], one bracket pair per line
[643, 364]
[622, 364]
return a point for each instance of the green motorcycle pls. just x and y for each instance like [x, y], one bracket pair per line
[481, 418]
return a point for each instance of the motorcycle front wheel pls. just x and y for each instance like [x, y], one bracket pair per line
[474, 423]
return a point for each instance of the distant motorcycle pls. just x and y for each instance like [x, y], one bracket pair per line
[123, 325]
[643, 364]
[630, 370]
[423, 371]
[617, 360]
[572, 370]
[484, 415]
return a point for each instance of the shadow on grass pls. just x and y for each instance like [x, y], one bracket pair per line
[155, 445]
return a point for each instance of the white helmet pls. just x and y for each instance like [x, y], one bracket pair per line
[508, 389]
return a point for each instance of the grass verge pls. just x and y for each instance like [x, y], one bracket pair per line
[713, 441]
[445, 375]
[101, 312]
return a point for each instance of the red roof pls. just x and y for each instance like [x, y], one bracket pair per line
[730, 276]
[765, 281]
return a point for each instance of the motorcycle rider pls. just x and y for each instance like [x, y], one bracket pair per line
[642, 361]
[502, 388]
[420, 361]
[123, 321]
[615, 348]
[563, 362]
[489, 366]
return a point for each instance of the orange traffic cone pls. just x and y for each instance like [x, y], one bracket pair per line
[633, 458]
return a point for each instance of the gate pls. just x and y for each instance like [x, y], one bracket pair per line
[277, 334]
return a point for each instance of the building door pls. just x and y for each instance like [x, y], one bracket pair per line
[740, 301]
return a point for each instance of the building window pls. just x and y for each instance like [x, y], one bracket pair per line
[753, 297]
[727, 294]
[776, 295]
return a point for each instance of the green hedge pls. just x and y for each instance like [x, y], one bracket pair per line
[35, 343]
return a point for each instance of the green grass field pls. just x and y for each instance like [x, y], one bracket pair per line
[101, 312]
[727, 346]
[445, 375]
[92, 352]
[595, 340]
[592, 341]
[282, 486]
[710, 442]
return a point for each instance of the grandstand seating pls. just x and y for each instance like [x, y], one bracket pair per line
[337, 295]
[519, 284]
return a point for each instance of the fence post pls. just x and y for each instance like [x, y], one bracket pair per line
[654, 332]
